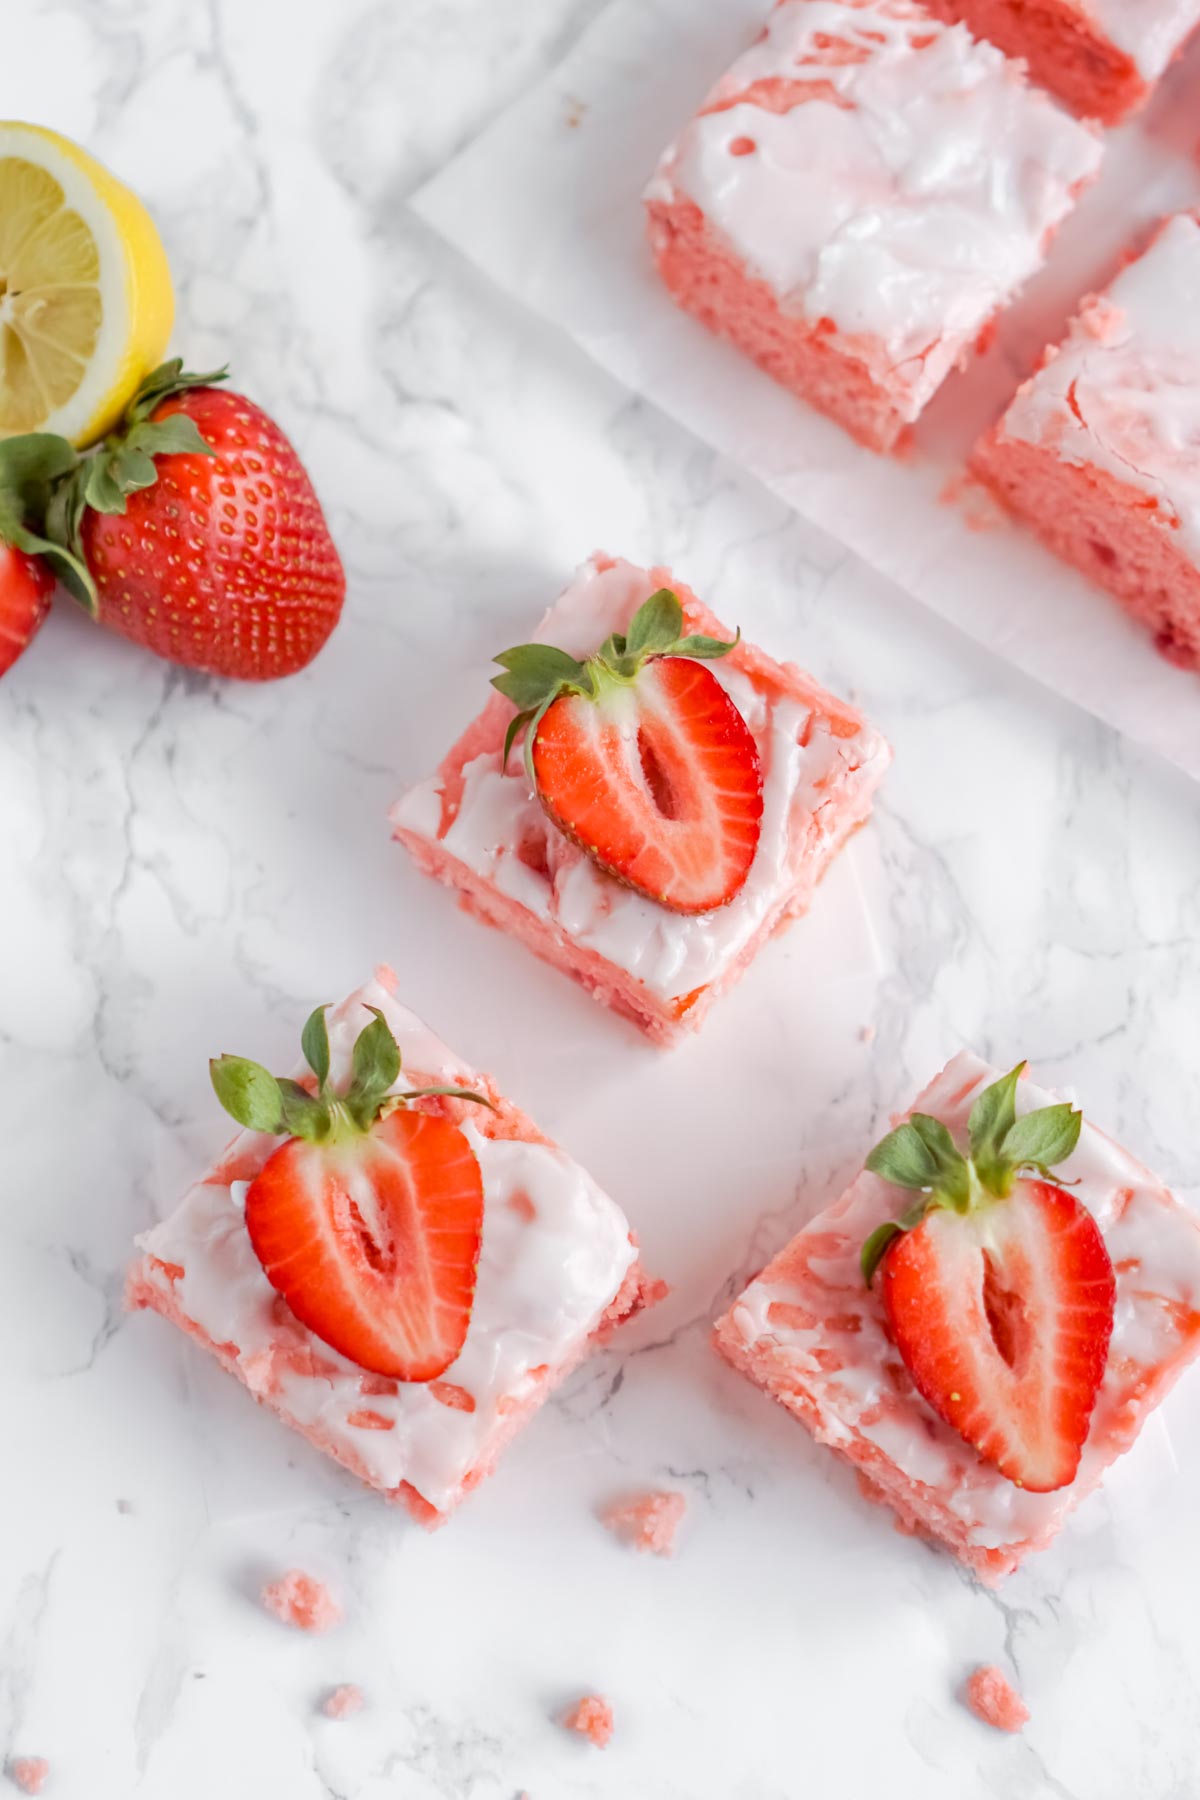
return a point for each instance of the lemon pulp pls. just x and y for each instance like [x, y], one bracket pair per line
[86, 303]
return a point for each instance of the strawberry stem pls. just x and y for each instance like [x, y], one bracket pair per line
[921, 1155]
[46, 485]
[279, 1106]
[536, 675]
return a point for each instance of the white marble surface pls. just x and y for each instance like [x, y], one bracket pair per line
[187, 867]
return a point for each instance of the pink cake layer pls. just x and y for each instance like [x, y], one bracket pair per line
[861, 193]
[483, 833]
[1099, 451]
[1101, 58]
[558, 1273]
[811, 1334]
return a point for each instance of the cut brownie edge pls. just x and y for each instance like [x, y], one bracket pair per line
[1062, 50]
[917, 1508]
[1106, 528]
[705, 279]
[145, 1291]
[663, 1022]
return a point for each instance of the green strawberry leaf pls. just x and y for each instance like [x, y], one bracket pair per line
[536, 674]
[992, 1116]
[305, 1115]
[877, 1246]
[533, 671]
[450, 1093]
[1043, 1138]
[314, 1041]
[248, 1092]
[921, 1155]
[883, 1236]
[515, 726]
[374, 1068]
[169, 378]
[176, 435]
[705, 648]
[655, 626]
[102, 490]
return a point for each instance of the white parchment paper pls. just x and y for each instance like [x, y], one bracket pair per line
[547, 201]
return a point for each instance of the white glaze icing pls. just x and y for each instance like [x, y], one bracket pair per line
[1128, 401]
[1154, 1243]
[555, 1252]
[813, 783]
[906, 199]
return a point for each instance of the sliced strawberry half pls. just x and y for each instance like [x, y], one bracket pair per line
[1004, 1319]
[369, 1219]
[997, 1285]
[374, 1242]
[26, 584]
[640, 757]
[659, 781]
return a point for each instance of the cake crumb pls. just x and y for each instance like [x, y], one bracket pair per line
[29, 1773]
[298, 1599]
[342, 1702]
[592, 1718]
[647, 1521]
[980, 508]
[867, 1035]
[125, 1507]
[992, 1698]
[1101, 317]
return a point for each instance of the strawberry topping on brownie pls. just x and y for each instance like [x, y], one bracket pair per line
[1007, 1349]
[997, 1287]
[639, 756]
[718, 777]
[387, 1258]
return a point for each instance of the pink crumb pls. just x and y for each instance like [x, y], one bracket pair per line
[592, 1718]
[297, 1599]
[647, 1521]
[992, 1698]
[867, 1035]
[980, 509]
[1101, 317]
[342, 1702]
[29, 1773]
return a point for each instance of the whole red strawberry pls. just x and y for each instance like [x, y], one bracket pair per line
[26, 584]
[997, 1284]
[640, 757]
[193, 530]
[368, 1220]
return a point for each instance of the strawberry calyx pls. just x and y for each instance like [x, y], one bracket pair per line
[279, 1106]
[921, 1155]
[46, 485]
[536, 675]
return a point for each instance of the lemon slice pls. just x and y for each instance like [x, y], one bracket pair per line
[86, 303]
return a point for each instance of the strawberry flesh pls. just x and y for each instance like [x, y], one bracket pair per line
[26, 584]
[1004, 1318]
[374, 1240]
[659, 781]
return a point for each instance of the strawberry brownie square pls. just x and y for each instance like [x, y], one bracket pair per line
[1102, 58]
[679, 796]
[981, 1355]
[861, 193]
[1099, 452]
[407, 1277]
